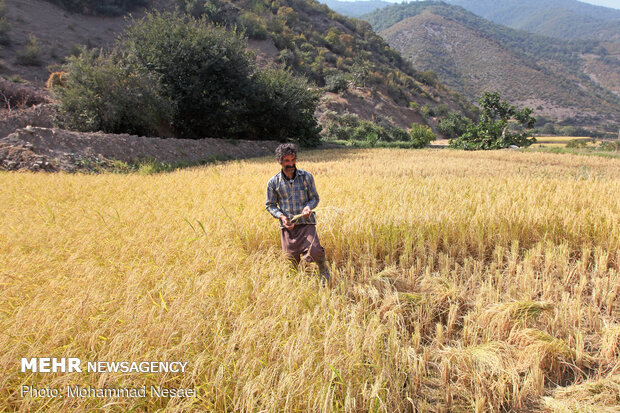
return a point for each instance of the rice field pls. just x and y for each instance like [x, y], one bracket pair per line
[462, 281]
[561, 138]
[560, 141]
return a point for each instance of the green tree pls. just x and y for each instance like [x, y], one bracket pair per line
[336, 82]
[282, 107]
[203, 69]
[548, 129]
[453, 125]
[421, 135]
[492, 131]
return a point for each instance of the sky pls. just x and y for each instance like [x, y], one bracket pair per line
[607, 3]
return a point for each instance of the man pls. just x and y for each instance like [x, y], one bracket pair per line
[292, 192]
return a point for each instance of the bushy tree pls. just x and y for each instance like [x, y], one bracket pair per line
[203, 69]
[492, 131]
[421, 135]
[336, 82]
[548, 129]
[282, 107]
[253, 26]
[102, 92]
[453, 125]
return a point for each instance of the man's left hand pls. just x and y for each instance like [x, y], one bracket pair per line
[306, 212]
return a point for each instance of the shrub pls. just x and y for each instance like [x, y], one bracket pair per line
[212, 10]
[282, 107]
[610, 146]
[253, 26]
[454, 125]
[391, 133]
[350, 127]
[195, 8]
[286, 57]
[15, 95]
[441, 110]
[577, 144]
[102, 92]
[202, 69]
[336, 82]
[427, 111]
[367, 132]
[421, 135]
[340, 127]
[30, 55]
[428, 77]
[396, 93]
[548, 129]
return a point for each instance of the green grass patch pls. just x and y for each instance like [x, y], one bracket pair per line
[144, 166]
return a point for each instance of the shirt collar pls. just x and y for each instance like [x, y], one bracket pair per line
[286, 177]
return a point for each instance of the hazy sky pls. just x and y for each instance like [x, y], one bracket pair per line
[607, 3]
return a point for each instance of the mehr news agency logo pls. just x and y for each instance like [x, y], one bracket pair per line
[75, 365]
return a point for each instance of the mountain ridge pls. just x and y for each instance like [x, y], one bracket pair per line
[566, 19]
[473, 55]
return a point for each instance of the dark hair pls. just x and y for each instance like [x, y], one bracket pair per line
[285, 149]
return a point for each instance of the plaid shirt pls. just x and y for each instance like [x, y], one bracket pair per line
[290, 196]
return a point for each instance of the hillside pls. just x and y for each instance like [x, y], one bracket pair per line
[570, 82]
[567, 19]
[305, 36]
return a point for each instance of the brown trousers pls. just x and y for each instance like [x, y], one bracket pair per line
[302, 241]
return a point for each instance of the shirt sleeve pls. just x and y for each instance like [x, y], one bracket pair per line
[313, 195]
[272, 200]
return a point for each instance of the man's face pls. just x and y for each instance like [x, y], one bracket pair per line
[288, 163]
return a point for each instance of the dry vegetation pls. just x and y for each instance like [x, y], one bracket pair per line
[18, 96]
[463, 282]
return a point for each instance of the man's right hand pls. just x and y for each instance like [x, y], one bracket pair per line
[286, 222]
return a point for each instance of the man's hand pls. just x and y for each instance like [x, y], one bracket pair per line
[286, 222]
[306, 212]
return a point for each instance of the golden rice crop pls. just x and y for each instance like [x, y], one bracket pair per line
[561, 141]
[462, 282]
[565, 139]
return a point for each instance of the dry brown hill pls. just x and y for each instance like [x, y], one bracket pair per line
[57, 32]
